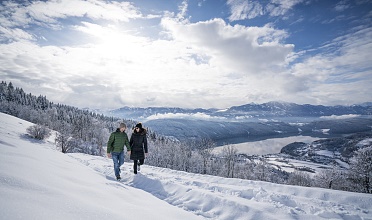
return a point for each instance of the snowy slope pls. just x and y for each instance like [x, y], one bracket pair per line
[38, 182]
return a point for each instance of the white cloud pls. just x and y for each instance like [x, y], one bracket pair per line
[192, 64]
[116, 11]
[182, 10]
[246, 9]
[340, 116]
[339, 73]
[15, 34]
[198, 115]
[281, 7]
[341, 6]
[242, 9]
[245, 50]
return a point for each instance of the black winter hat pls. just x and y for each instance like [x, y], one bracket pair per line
[139, 125]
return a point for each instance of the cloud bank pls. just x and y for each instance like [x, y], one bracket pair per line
[102, 54]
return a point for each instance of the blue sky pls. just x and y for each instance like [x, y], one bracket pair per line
[200, 53]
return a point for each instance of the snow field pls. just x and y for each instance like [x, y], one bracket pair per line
[227, 198]
[39, 182]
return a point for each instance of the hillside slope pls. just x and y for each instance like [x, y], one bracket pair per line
[38, 182]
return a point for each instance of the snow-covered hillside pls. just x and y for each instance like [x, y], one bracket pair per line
[39, 182]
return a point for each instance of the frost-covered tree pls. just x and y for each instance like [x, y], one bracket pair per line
[184, 158]
[299, 178]
[262, 170]
[360, 172]
[62, 138]
[331, 178]
[229, 153]
[204, 148]
[244, 169]
[39, 132]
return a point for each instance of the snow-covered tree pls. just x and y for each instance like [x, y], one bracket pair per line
[229, 154]
[360, 172]
[262, 170]
[299, 178]
[62, 138]
[331, 178]
[204, 148]
[39, 132]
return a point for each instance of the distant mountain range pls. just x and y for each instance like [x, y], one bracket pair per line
[341, 129]
[283, 109]
[252, 122]
[244, 112]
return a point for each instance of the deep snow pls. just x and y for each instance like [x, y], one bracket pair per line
[39, 182]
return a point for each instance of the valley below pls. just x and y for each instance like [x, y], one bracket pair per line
[267, 146]
[256, 128]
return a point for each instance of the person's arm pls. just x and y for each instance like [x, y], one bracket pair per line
[145, 144]
[109, 145]
[127, 144]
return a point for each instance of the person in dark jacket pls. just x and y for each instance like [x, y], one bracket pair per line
[115, 148]
[138, 143]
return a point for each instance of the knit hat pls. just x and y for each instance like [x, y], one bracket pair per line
[122, 125]
[139, 125]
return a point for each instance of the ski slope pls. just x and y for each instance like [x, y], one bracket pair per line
[39, 182]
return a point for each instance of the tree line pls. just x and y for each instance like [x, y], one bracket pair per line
[87, 132]
[77, 130]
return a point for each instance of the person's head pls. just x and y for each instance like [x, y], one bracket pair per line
[138, 128]
[122, 127]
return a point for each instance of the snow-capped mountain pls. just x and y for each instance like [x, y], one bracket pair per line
[248, 111]
[284, 109]
[145, 113]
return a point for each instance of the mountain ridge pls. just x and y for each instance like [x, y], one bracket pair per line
[270, 109]
[253, 122]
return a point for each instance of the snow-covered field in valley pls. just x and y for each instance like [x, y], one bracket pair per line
[39, 182]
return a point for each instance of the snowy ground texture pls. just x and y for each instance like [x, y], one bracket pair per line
[39, 182]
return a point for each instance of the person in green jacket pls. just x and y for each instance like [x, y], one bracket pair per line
[115, 148]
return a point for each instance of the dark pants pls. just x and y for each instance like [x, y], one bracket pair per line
[135, 164]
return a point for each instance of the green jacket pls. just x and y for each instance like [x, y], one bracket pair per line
[117, 141]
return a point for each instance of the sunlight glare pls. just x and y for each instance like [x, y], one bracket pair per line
[112, 41]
